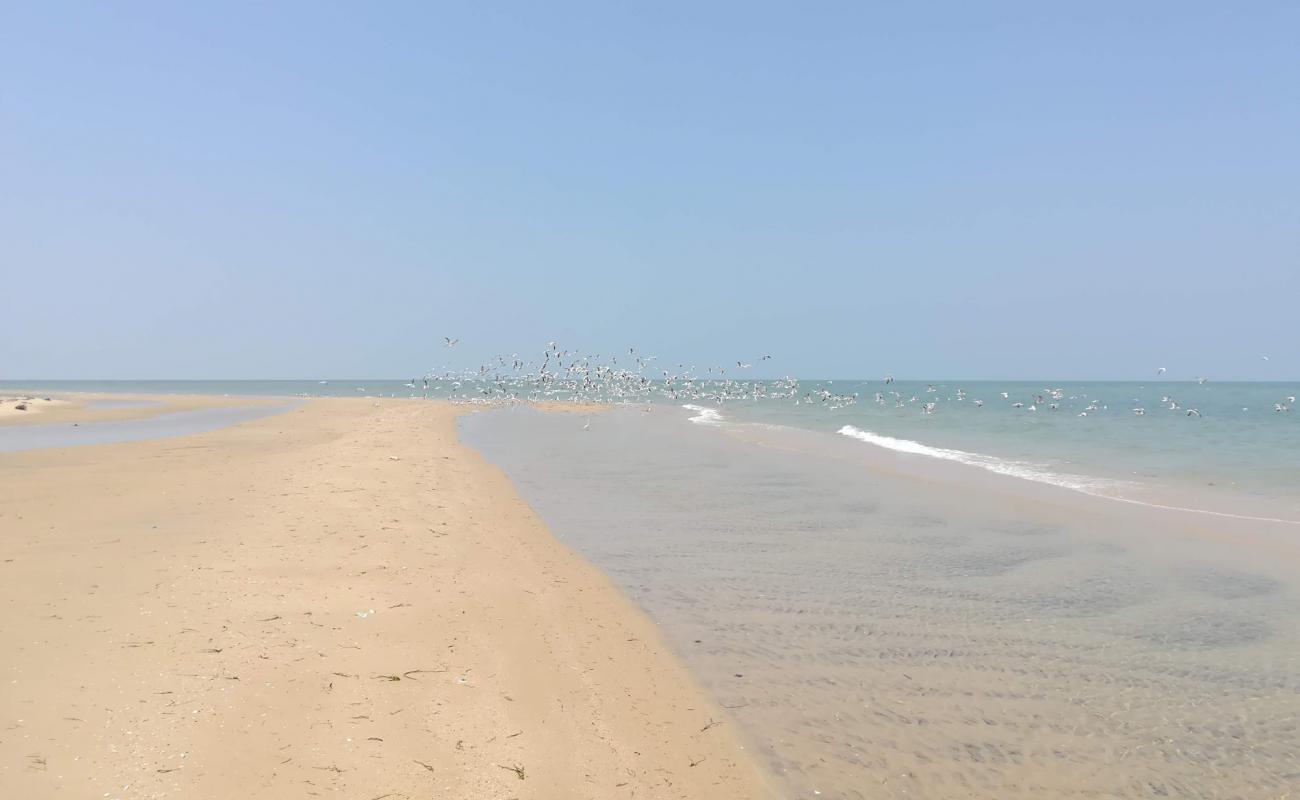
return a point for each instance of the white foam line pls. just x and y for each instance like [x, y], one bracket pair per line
[1194, 510]
[1031, 472]
[704, 416]
[1015, 469]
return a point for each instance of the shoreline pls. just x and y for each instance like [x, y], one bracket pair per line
[342, 597]
[1274, 535]
[1234, 503]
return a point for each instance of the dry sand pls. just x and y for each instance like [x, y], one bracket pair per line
[25, 407]
[340, 600]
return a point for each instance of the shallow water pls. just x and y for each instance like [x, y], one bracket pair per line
[106, 402]
[179, 423]
[877, 634]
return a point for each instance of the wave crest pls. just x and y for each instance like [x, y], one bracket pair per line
[1017, 469]
[705, 416]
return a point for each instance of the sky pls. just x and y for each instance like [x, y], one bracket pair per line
[930, 190]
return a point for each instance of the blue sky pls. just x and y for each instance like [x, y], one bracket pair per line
[929, 190]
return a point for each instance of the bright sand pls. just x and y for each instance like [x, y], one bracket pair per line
[340, 600]
[25, 408]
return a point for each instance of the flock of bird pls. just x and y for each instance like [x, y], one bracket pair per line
[635, 378]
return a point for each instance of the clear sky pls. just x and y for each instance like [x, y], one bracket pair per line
[954, 190]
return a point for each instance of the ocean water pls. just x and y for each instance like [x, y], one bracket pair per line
[1235, 445]
[1236, 453]
[934, 633]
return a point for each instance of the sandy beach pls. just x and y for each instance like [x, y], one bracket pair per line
[337, 600]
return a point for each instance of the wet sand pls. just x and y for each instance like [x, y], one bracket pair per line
[86, 407]
[884, 625]
[156, 426]
[339, 600]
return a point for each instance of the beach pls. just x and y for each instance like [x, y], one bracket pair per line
[339, 599]
[214, 596]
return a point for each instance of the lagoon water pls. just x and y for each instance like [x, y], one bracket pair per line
[178, 423]
[884, 624]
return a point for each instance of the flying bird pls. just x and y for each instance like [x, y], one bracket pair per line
[450, 341]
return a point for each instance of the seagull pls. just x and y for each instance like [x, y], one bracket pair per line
[1263, 358]
[1140, 412]
[1191, 412]
[586, 426]
[743, 366]
[764, 358]
[1161, 371]
[450, 341]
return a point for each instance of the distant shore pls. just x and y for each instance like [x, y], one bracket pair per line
[38, 407]
[340, 598]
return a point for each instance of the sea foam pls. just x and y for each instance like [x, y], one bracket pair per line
[704, 416]
[1017, 469]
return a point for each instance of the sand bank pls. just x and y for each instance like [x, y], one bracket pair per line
[46, 408]
[339, 599]
[20, 407]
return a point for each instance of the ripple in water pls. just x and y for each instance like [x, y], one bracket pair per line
[882, 638]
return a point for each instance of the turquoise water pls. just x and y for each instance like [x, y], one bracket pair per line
[1235, 444]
